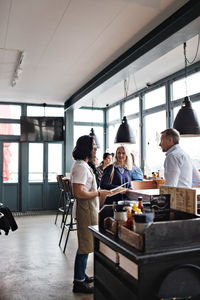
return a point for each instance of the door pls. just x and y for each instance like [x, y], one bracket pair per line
[9, 179]
[45, 161]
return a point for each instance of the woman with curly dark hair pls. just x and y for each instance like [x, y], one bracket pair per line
[87, 197]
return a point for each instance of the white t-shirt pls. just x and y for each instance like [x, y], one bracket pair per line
[81, 174]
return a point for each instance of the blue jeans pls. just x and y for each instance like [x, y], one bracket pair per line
[80, 266]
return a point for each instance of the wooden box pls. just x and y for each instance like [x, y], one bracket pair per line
[182, 231]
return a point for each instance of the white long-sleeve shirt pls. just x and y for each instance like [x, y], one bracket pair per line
[179, 170]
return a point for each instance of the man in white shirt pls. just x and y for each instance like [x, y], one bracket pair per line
[178, 168]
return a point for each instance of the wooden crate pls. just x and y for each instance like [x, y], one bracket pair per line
[130, 237]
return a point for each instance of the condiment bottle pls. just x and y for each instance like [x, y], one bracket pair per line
[129, 221]
[134, 208]
[140, 204]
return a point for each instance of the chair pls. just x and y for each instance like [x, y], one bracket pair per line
[62, 199]
[69, 226]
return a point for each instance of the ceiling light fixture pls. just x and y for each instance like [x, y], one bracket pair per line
[186, 121]
[125, 134]
[92, 134]
[18, 69]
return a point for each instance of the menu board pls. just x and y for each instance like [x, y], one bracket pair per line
[182, 199]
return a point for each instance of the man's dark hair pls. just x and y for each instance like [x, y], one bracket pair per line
[105, 155]
[173, 133]
[83, 148]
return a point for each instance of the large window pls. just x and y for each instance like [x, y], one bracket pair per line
[85, 130]
[112, 131]
[191, 145]
[154, 124]
[114, 113]
[35, 162]
[47, 111]
[131, 106]
[135, 148]
[88, 115]
[155, 98]
[10, 162]
[179, 86]
[10, 111]
[9, 129]
[54, 161]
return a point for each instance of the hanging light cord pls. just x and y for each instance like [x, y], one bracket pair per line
[193, 60]
[189, 62]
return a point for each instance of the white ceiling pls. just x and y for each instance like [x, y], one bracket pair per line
[67, 42]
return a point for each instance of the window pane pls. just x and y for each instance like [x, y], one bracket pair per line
[193, 87]
[35, 162]
[191, 145]
[54, 161]
[112, 131]
[131, 106]
[135, 148]
[39, 111]
[196, 107]
[10, 111]
[82, 130]
[114, 113]
[88, 115]
[155, 98]
[9, 129]
[155, 123]
[10, 162]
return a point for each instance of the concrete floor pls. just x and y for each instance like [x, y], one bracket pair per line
[32, 266]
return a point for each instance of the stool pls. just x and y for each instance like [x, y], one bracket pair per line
[62, 202]
[69, 226]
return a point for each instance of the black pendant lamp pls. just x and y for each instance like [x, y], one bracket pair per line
[186, 121]
[125, 134]
[92, 134]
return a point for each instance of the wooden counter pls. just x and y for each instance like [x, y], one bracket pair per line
[122, 272]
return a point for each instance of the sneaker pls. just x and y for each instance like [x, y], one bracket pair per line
[82, 287]
[89, 279]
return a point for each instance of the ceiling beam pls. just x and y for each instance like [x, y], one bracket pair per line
[147, 49]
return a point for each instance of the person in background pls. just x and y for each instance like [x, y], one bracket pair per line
[107, 160]
[85, 191]
[136, 172]
[117, 174]
[178, 168]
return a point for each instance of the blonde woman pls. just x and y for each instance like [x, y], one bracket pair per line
[117, 174]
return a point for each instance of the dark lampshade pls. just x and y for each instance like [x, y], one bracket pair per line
[125, 134]
[186, 121]
[95, 137]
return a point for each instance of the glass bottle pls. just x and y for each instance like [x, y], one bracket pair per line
[140, 204]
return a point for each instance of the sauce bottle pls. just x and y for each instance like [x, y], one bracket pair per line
[129, 221]
[140, 204]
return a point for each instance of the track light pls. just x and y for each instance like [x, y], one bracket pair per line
[18, 69]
